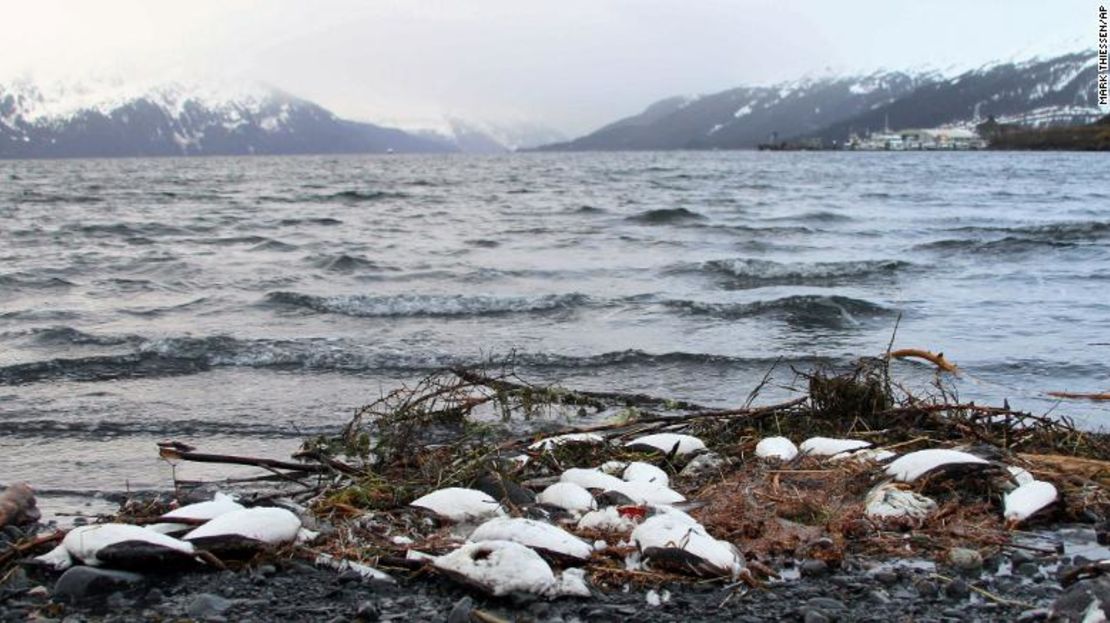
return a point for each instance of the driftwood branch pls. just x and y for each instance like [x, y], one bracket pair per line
[229, 459]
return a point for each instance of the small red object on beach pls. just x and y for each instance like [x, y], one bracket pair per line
[633, 512]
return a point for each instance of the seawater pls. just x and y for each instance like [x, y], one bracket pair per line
[242, 304]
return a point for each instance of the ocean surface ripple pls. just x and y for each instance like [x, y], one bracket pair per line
[244, 303]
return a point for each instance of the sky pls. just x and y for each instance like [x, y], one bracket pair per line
[573, 65]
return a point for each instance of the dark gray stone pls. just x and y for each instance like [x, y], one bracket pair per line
[813, 616]
[460, 612]
[79, 584]
[827, 605]
[813, 568]
[957, 589]
[368, 611]
[1074, 604]
[927, 588]
[206, 605]
[886, 578]
[1027, 569]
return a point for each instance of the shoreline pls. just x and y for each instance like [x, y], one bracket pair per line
[811, 551]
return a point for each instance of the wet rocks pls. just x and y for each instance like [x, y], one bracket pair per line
[90, 583]
[206, 605]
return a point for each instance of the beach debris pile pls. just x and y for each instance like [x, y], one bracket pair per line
[450, 478]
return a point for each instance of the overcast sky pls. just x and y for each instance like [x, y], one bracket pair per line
[571, 64]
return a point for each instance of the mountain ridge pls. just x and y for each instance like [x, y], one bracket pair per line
[175, 119]
[1055, 90]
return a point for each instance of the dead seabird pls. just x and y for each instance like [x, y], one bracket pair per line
[458, 504]
[567, 496]
[776, 448]
[540, 536]
[503, 567]
[910, 467]
[674, 541]
[669, 442]
[117, 545]
[1027, 500]
[827, 446]
[247, 529]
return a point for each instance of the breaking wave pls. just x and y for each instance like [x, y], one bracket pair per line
[746, 272]
[799, 310]
[372, 306]
[178, 356]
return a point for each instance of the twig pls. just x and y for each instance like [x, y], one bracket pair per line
[985, 593]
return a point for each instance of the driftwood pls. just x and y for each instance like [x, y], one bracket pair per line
[937, 359]
[17, 505]
[1091, 469]
[173, 454]
[1081, 396]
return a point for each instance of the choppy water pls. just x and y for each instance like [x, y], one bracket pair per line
[243, 303]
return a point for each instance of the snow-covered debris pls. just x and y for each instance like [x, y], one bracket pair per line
[567, 496]
[608, 519]
[1029, 498]
[538, 535]
[888, 500]
[503, 567]
[553, 442]
[776, 448]
[261, 525]
[341, 565]
[590, 478]
[912, 466]
[638, 471]
[671, 542]
[667, 442]
[826, 446]
[458, 504]
[113, 543]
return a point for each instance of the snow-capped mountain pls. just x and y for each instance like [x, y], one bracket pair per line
[1037, 93]
[74, 120]
[1059, 90]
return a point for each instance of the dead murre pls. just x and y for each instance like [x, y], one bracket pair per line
[459, 504]
[247, 530]
[550, 541]
[118, 545]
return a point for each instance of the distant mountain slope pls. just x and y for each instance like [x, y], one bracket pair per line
[746, 116]
[1060, 90]
[176, 120]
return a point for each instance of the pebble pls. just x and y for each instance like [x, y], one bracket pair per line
[886, 578]
[368, 611]
[966, 560]
[813, 568]
[206, 605]
[813, 616]
[1028, 569]
[89, 583]
[957, 589]
[927, 588]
